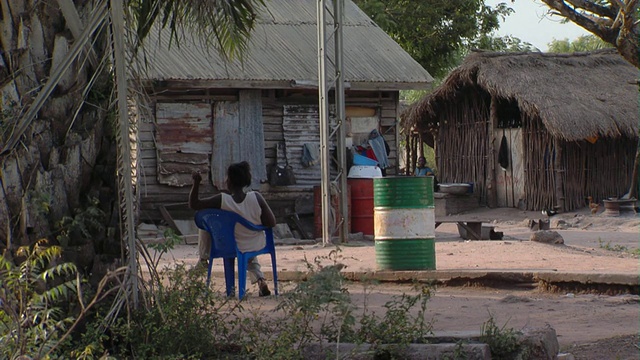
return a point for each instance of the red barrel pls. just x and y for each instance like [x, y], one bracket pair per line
[335, 205]
[361, 205]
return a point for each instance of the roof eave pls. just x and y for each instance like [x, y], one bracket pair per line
[282, 84]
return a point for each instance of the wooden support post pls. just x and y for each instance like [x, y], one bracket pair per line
[558, 166]
[167, 217]
[435, 150]
[407, 159]
[492, 191]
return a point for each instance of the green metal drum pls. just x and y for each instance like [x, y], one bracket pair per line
[404, 223]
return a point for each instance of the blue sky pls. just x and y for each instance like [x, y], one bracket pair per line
[530, 23]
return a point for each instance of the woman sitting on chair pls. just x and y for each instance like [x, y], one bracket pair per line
[250, 205]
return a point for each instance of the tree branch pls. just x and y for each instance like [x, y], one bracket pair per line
[588, 24]
[593, 7]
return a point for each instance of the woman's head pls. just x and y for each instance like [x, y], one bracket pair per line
[239, 175]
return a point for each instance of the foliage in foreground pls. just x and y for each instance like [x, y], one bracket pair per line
[183, 319]
[41, 304]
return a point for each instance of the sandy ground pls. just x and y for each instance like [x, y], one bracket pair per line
[589, 326]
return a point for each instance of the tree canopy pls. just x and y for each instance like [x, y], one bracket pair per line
[581, 43]
[435, 32]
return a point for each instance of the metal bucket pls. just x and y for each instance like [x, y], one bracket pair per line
[404, 223]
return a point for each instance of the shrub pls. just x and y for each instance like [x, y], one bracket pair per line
[504, 343]
[41, 304]
[182, 319]
[31, 296]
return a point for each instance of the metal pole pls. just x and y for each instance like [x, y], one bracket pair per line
[324, 125]
[338, 17]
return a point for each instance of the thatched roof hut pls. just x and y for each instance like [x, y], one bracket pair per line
[562, 108]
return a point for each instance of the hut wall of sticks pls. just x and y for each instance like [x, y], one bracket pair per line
[533, 130]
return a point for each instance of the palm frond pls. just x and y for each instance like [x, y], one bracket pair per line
[224, 25]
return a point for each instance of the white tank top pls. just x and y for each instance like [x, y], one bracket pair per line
[249, 209]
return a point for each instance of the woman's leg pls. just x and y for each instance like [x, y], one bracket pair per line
[253, 269]
[256, 275]
[204, 244]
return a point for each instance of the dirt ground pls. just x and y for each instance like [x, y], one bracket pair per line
[589, 326]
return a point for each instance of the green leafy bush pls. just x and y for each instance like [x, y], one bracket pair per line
[41, 304]
[32, 295]
[181, 319]
[503, 342]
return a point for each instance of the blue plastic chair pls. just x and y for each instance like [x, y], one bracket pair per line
[220, 225]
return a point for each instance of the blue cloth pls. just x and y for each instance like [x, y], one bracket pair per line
[423, 171]
[377, 143]
[310, 154]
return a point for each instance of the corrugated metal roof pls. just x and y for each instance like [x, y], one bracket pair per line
[283, 48]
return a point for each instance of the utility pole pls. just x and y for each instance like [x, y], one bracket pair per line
[327, 132]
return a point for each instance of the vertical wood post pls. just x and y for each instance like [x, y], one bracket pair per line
[492, 124]
[407, 150]
[435, 150]
[558, 166]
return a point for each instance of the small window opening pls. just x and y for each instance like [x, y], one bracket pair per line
[509, 116]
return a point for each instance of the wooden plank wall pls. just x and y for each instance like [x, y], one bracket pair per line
[152, 192]
[224, 152]
[281, 199]
[301, 126]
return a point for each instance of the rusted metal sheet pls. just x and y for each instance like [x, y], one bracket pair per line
[183, 141]
[251, 135]
[175, 168]
[183, 127]
[226, 147]
[182, 163]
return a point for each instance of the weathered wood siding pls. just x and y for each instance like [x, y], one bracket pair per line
[301, 126]
[258, 117]
[225, 151]
[282, 198]
[251, 135]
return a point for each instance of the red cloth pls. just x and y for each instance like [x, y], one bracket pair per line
[370, 154]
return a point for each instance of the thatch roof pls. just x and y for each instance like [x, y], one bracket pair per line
[576, 95]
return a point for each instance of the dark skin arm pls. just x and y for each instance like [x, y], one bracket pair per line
[214, 202]
[267, 217]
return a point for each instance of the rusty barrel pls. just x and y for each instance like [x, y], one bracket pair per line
[361, 214]
[404, 223]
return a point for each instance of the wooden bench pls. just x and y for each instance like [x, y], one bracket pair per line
[472, 227]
